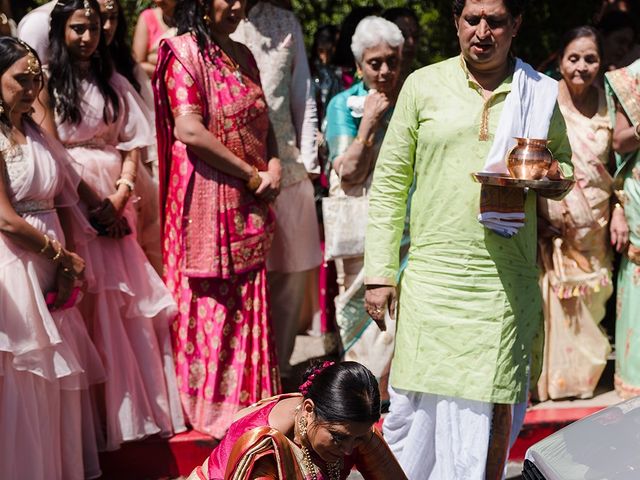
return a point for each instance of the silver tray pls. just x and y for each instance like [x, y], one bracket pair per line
[504, 180]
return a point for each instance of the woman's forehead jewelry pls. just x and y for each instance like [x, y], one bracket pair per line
[109, 4]
[33, 64]
[87, 8]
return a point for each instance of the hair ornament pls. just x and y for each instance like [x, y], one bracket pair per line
[109, 4]
[87, 8]
[33, 64]
[304, 388]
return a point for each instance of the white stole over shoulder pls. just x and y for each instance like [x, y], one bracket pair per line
[527, 113]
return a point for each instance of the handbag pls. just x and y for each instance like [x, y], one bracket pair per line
[345, 223]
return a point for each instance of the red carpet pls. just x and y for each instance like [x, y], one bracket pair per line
[157, 458]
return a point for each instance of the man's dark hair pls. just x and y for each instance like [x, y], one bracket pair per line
[514, 7]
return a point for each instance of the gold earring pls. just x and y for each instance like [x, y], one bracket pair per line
[1, 107]
[206, 18]
[302, 424]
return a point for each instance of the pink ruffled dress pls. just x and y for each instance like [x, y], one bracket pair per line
[47, 360]
[128, 308]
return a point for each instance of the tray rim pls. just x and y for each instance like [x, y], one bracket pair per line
[547, 184]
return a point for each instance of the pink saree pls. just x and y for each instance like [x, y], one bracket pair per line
[216, 234]
[250, 439]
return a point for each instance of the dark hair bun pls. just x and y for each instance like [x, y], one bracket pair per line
[342, 392]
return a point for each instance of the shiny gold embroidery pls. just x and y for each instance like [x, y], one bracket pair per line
[255, 358]
[239, 223]
[182, 333]
[208, 326]
[255, 332]
[229, 381]
[208, 393]
[182, 94]
[484, 123]
[196, 374]
[185, 109]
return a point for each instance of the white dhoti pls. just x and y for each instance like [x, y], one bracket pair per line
[435, 437]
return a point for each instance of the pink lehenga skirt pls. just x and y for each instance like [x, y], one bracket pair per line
[224, 353]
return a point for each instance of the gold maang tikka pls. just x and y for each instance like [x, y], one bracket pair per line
[87, 8]
[33, 64]
[109, 4]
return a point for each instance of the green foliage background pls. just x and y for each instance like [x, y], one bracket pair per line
[545, 22]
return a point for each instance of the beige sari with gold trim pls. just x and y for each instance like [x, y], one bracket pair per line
[577, 263]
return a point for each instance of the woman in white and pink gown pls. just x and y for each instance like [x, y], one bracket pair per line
[99, 118]
[47, 360]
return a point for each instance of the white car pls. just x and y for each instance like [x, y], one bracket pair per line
[602, 446]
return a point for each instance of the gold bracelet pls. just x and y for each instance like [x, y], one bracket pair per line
[124, 181]
[254, 182]
[636, 133]
[366, 143]
[58, 254]
[47, 242]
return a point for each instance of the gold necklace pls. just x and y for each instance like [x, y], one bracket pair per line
[334, 468]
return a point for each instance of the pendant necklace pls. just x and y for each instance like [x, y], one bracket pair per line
[236, 68]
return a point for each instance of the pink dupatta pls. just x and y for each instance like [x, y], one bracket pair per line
[226, 229]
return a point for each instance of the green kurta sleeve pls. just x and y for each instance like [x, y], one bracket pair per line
[389, 193]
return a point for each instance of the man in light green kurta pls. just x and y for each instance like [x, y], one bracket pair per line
[469, 305]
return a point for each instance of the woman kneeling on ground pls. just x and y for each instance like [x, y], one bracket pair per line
[321, 433]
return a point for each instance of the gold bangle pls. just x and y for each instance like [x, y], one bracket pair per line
[366, 143]
[636, 133]
[58, 254]
[124, 181]
[254, 182]
[47, 242]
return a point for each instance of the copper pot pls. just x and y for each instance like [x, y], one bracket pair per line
[530, 159]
